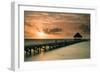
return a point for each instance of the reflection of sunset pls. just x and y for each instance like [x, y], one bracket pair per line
[50, 25]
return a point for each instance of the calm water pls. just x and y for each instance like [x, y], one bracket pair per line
[76, 51]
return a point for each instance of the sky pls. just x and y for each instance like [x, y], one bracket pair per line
[55, 25]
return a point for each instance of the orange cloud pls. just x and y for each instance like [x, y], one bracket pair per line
[69, 23]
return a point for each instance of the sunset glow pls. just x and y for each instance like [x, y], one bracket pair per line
[56, 36]
[41, 34]
[50, 25]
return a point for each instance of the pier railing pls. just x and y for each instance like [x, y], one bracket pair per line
[37, 46]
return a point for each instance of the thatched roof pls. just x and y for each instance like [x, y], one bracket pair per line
[77, 35]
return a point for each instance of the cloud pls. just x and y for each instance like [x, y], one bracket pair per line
[85, 28]
[53, 31]
[67, 24]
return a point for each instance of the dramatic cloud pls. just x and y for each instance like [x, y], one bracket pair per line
[52, 31]
[55, 25]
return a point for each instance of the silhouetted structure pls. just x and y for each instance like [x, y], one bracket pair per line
[78, 36]
[36, 46]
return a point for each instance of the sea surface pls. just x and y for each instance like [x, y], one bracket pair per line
[79, 50]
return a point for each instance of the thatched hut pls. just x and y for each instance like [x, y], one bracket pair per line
[78, 36]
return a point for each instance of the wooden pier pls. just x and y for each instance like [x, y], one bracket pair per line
[34, 46]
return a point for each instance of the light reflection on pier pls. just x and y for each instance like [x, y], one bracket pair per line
[38, 46]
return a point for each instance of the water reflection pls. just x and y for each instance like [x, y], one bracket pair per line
[42, 56]
[76, 51]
